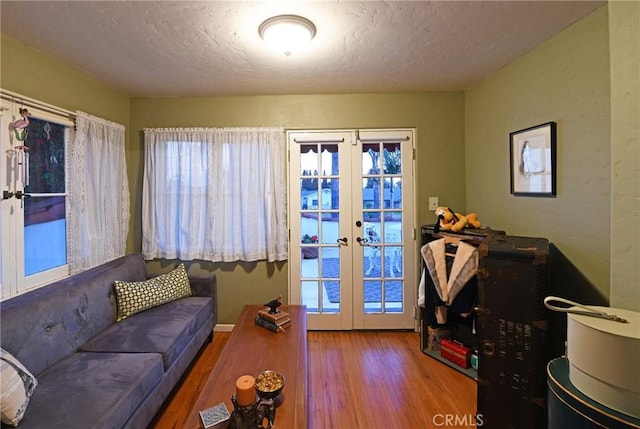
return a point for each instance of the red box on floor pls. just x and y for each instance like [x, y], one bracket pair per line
[455, 352]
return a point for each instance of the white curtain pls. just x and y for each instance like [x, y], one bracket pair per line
[214, 194]
[98, 204]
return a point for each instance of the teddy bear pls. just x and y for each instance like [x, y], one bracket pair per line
[448, 220]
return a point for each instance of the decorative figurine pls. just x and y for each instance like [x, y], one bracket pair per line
[274, 304]
[19, 126]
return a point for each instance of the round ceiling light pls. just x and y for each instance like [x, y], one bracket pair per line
[287, 33]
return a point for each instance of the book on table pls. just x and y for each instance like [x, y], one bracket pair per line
[272, 326]
[276, 318]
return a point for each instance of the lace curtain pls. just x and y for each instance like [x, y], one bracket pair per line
[98, 213]
[214, 194]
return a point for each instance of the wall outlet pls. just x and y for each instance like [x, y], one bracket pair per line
[433, 203]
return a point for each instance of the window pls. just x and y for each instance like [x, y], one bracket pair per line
[34, 205]
[65, 193]
[214, 194]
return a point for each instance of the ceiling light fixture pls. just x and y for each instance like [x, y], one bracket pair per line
[287, 33]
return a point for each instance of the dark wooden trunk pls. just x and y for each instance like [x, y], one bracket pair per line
[512, 326]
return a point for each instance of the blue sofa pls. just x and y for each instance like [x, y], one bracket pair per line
[92, 371]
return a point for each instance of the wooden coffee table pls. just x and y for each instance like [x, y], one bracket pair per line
[252, 349]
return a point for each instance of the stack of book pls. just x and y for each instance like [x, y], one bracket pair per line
[276, 322]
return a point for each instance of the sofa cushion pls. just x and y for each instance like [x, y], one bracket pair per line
[166, 329]
[93, 390]
[17, 386]
[134, 297]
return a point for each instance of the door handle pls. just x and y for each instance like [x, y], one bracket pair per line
[6, 195]
[344, 241]
[362, 241]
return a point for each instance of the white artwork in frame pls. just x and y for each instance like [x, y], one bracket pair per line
[533, 153]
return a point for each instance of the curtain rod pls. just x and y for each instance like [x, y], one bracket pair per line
[317, 140]
[32, 102]
[384, 139]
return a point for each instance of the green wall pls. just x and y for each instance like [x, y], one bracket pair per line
[438, 117]
[565, 80]
[31, 73]
[624, 42]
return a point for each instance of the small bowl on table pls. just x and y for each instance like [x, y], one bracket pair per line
[269, 384]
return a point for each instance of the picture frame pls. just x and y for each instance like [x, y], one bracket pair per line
[533, 161]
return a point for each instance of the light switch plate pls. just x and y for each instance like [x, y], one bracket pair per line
[433, 203]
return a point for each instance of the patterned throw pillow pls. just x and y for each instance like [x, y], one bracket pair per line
[134, 297]
[17, 386]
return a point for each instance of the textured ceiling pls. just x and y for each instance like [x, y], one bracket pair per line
[189, 48]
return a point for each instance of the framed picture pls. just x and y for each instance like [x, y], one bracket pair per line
[533, 161]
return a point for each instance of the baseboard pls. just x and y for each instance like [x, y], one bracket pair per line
[223, 327]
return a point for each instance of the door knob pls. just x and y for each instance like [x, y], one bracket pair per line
[362, 241]
[358, 223]
[6, 195]
[343, 241]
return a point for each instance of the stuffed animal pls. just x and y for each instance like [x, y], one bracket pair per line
[448, 220]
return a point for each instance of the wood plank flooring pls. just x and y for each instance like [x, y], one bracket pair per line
[357, 379]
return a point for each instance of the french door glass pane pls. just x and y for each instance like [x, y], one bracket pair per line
[371, 194]
[309, 294]
[372, 296]
[329, 159]
[309, 229]
[392, 193]
[330, 223]
[393, 261]
[370, 158]
[309, 159]
[393, 296]
[393, 228]
[392, 158]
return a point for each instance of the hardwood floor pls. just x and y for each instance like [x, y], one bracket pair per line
[357, 379]
[179, 404]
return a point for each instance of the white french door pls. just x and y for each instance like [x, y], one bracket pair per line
[352, 228]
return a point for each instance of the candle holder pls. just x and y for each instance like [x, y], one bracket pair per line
[259, 415]
[266, 413]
